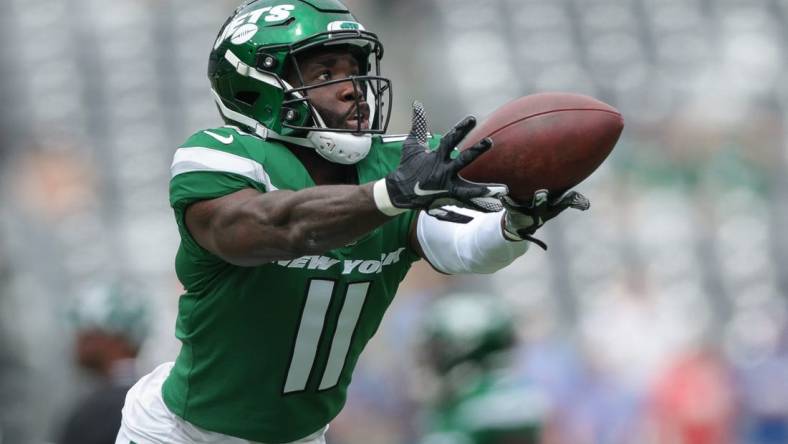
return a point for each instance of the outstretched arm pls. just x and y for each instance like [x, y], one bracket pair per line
[478, 247]
[491, 241]
[251, 228]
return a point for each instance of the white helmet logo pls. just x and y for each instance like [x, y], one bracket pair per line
[244, 34]
[275, 14]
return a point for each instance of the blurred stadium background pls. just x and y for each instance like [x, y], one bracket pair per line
[662, 308]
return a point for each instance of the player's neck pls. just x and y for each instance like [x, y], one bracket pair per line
[322, 171]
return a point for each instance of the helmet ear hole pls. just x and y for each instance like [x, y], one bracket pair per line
[247, 97]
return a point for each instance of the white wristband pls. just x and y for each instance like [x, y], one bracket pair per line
[382, 200]
[476, 247]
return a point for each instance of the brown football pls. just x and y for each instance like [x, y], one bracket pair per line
[548, 140]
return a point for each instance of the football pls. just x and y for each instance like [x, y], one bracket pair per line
[549, 140]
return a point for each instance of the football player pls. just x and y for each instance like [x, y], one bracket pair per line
[467, 342]
[298, 220]
[111, 323]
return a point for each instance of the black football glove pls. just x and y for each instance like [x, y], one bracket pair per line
[428, 179]
[522, 221]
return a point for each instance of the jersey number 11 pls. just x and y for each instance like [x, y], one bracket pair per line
[310, 330]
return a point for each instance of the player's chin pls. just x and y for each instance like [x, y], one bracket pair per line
[353, 124]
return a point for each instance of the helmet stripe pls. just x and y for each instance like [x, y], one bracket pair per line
[259, 129]
[247, 71]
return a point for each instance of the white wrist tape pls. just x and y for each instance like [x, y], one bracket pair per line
[475, 247]
[382, 200]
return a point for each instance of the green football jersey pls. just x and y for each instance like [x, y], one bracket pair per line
[489, 410]
[268, 352]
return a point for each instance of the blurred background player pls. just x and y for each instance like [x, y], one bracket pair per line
[111, 324]
[468, 342]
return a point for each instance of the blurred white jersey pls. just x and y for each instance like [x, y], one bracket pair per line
[147, 420]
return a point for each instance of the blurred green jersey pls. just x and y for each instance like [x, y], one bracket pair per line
[488, 409]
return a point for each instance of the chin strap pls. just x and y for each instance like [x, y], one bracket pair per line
[343, 148]
[331, 146]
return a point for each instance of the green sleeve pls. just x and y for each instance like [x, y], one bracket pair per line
[204, 168]
[188, 188]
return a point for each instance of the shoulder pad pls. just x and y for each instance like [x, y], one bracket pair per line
[225, 149]
[225, 138]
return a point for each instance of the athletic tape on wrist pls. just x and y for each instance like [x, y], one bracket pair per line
[508, 231]
[383, 201]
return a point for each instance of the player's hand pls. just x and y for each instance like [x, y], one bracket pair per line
[522, 221]
[428, 179]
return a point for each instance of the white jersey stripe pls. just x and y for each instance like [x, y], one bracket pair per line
[187, 160]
